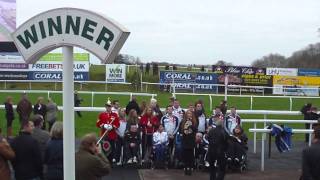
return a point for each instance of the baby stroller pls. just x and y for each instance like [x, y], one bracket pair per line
[236, 154]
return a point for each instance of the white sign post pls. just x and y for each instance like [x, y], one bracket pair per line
[68, 27]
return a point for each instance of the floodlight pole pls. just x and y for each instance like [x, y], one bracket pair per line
[68, 114]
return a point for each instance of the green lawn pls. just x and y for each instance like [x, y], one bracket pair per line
[86, 124]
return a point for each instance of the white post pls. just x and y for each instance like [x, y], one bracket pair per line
[141, 86]
[251, 101]
[262, 151]
[92, 97]
[30, 86]
[68, 114]
[255, 139]
[48, 94]
[310, 136]
[210, 99]
[290, 104]
[226, 81]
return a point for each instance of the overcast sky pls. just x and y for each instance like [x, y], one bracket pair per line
[203, 31]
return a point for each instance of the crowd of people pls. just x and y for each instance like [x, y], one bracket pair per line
[134, 135]
[173, 138]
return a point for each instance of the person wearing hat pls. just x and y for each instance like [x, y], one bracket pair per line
[109, 121]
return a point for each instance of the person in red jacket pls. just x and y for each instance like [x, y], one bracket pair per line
[109, 121]
[148, 124]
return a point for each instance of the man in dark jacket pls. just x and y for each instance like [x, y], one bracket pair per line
[39, 134]
[27, 163]
[218, 145]
[24, 109]
[305, 110]
[90, 163]
[133, 105]
[77, 102]
[311, 159]
[41, 109]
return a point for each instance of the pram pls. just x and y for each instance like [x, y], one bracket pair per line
[236, 154]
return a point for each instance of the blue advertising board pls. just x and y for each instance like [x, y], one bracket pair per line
[54, 76]
[190, 81]
[14, 75]
[308, 72]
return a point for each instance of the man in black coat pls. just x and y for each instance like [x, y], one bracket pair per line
[28, 162]
[133, 105]
[311, 159]
[77, 102]
[305, 110]
[218, 145]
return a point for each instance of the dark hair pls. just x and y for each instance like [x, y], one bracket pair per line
[37, 120]
[168, 106]
[115, 101]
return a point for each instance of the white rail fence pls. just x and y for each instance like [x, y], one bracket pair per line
[92, 93]
[252, 97]
[264, 131]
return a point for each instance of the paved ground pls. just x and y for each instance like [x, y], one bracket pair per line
[278, 167]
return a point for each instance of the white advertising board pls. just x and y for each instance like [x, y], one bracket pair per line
[115, 73]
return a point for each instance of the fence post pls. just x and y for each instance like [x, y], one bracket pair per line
[30, 86]
[48, 94]
[55, 86]
[240, 90]
[80, 86]
[5, 84]
[310, 127]
[106, 86]
[130, 96]
[262, 151]
[255, 139]
[92, 96]
[290, 104]
[251, 101]
[210, 99]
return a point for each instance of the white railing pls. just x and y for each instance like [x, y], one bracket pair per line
[290, 98]
[264, 131]
[81, 83]
[82, 92]
[265, 121]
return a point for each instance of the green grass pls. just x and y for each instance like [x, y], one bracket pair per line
[86, 124]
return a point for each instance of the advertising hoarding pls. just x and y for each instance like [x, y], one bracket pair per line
[190, 81]
[115, 73]
[308, 72]
[282, 71]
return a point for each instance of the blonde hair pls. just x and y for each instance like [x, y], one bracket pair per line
[57, 130]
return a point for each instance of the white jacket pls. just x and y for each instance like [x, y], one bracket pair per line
[160, 138]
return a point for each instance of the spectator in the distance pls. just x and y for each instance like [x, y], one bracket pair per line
[9, 115]
[77, 101]
[90, 163]
[52, 109]
[311, 159]
[40, 108]
[53, 157]
[170, 123]
[6, 154]
[223, 107]
[177, 110]
[133, 105]
[24, 109]
[39, 134]
[305, 110]
[28, 162]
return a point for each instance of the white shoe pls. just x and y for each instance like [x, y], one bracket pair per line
[206, 164]
[135, 159]
[114, 160]
[130, 161]
[236, 159]
[119, 163]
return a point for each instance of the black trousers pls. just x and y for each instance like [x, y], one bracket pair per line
[113, 150]
[188, 158]
[307, 126]
[217, 172]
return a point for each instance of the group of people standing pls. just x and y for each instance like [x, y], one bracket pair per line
[158, 133]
